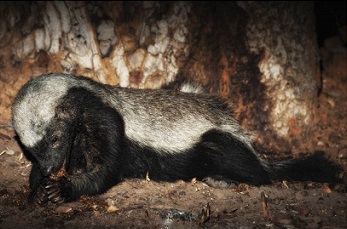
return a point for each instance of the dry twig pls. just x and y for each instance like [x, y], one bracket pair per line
[265, 207]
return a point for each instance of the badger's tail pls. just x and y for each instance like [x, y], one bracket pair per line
[316, 168]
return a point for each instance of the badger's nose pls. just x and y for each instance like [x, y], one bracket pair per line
[47, 171]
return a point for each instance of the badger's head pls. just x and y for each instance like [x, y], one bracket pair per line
[42, 122]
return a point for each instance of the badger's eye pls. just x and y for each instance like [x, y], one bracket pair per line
[54, 139]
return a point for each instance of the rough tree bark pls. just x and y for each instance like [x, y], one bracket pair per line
[262, 56]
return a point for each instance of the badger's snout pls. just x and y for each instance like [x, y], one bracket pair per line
[47, 171]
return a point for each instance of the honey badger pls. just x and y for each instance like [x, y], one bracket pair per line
[84, 137]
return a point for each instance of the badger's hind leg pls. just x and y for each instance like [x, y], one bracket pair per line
[230, 161]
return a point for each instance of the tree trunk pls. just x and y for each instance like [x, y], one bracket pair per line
[261, 56]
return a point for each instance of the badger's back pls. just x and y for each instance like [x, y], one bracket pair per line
[166, 120]
[173, 121]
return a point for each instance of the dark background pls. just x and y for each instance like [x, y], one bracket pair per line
[330, 16]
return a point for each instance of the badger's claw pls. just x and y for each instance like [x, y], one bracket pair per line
[41, 198]
[58, 200]
[53, 189]
[49, 190]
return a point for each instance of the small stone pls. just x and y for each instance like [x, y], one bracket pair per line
[8, 152]
[112, 208]
[320, 143]
[63, 209]
[317, 219]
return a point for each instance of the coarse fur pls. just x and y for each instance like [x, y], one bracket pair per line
[100, 135]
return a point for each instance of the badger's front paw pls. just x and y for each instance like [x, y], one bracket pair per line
[40, 196]
[54, 191]
[49, 191]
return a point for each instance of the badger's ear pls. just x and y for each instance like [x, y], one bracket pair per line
[66, 110]
[71, 105]
[74, 103]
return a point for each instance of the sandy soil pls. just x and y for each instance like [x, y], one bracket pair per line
[147, 204]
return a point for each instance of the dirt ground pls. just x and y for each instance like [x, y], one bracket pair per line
[147, 204]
